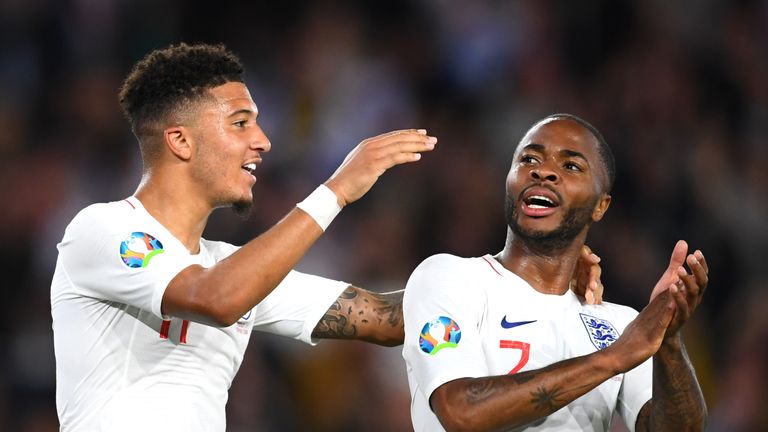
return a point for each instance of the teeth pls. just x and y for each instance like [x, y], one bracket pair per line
[251, 167]
[540, 197]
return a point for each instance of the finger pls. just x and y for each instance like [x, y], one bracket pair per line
[598, 293]
[399, 158]
[402, 136]
[691, 289]
[398, 132]
[595, 271]
[402, 146]
[593, 282]
[590, 297]
[700, 256]
[589, 256]
[678, 254]
[698, 270]
[681, 303]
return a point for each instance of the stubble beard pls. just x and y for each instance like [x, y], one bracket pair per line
[243, 208]
[548, 243]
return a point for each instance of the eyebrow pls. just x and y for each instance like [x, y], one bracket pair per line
[567, 152]
[243, 111]
[573, 153]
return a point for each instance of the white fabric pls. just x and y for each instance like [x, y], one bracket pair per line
[322, 205]
[478, 294]
[114, 371]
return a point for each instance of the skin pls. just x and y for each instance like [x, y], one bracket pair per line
[562, 156]
[199, 170]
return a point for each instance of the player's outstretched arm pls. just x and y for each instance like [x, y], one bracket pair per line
[378, 317]
[364, 315]
[675, 388]
[221, 294]
[508, 401]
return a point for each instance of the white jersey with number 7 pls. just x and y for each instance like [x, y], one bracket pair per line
[471, 317]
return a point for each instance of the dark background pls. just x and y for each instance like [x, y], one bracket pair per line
[679, 89]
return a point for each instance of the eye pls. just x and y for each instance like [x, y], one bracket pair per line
[528, 159]
[570, 166]
[240, 123]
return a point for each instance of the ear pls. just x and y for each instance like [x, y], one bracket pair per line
[601, 207]
[178, 140]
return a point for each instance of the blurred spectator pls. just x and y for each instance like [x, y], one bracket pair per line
[678, 89]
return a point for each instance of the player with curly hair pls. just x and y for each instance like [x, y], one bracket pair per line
[151, 320]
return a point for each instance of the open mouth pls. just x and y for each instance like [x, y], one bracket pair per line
[250, 168]
[539, 201]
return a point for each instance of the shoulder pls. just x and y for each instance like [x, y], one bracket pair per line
[444, 273]
[444, 263]
[101, 216]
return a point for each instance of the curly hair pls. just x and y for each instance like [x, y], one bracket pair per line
[168, 79]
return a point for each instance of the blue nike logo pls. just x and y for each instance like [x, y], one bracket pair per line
[508, 325]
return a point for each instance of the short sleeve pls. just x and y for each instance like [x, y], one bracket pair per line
[442, 317]
[295, 307]
[108, 256]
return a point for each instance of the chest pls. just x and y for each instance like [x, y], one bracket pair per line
[522, 333]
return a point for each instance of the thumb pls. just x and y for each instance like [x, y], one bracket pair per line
[678, 255]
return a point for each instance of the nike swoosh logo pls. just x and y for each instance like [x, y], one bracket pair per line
[508, 325]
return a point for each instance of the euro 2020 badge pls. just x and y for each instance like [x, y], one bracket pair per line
[439, 333]
[139, 248]
[601, 332]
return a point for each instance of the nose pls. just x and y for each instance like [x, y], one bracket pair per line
[260, 141]
[542, 172]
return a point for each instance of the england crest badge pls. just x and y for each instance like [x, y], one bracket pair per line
[601, 332]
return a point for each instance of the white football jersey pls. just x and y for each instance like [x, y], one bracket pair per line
[471, 317]
[121, 365]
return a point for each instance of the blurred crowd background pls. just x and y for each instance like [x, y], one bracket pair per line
[679, 89]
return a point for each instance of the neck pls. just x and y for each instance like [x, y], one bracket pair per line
[547, 270]
[179, 209]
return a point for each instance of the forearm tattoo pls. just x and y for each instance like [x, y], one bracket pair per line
[546, 399]
[675, 391]
[365, 315]
[482, 389]
[336, 321]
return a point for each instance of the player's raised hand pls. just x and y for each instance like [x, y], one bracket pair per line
[366, 162]
[586, 278]
[673, 272]
[689, 290]
[644, 335]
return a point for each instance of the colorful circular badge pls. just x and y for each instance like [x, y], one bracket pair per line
[139, 248]
[439, 333]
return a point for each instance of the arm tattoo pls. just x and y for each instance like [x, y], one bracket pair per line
[676, 390]
[546, 400]
[482, 389]
[364, 315]
[479, 391]
[336, 324]
[391, 305]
